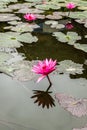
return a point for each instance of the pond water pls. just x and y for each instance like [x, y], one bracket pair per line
[24, 103]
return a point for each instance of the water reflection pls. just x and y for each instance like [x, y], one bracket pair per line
[43, 98]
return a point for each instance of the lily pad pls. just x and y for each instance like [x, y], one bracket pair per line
[47, 6]
[8, 17]
[78, 15]
[20, 6]
[69, 67]
[55, 15]
[54, 24]
[4, 57]
[13, 39]
[30, 10]
[70, 37]
[22, 27]
[22, 70]
[82, 47]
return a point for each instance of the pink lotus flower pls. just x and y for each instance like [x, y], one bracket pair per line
[30, 17]
[44, 68]
[69, 26]
[70, 6]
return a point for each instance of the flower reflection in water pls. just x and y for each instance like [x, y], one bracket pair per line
[43, 98]
[69, 26]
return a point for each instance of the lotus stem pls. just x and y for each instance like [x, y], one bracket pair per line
[50, 83]
[68, 13]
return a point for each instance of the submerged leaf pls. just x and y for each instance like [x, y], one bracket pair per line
[77, 107]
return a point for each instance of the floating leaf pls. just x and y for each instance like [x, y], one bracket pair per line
[78, 15]
[30, 10]
[55, 15]
[13, 39]
[82, 47]
[4, 57]
[70, 37]
[77, 107]
[68, 66]
[20, 6]
[8, 17]
[47, 6]
[54, 24]
[23, 27]
[22, 70]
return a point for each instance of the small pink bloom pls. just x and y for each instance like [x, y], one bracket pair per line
[69, 26]
[70, 6]
[44, 68]
[30, 17]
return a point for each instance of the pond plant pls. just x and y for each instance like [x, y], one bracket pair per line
[30, 17]
[44, 68]
[70, 6]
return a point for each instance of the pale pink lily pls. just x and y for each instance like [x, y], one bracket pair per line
[44, 68]
[30, 17]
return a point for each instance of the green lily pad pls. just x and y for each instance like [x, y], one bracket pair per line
[82, 47]
[8, 17]
[55, 15]
[54, 24]
[78, 15]
[22, 70]
[20, 6]
[23, 27]
[70, 37]
[69, 67]
[47, 6]
[13, 39]
[4, 57]
[29, 10]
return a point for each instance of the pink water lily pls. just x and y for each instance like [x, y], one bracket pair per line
[70, 6]
[30, 17]
[44, 68]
